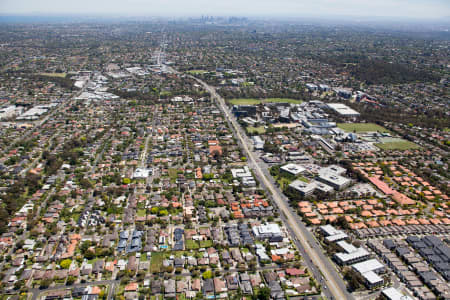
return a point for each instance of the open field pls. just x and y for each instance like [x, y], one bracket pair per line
[287, 125]
[258, 130]
[258, 101]
[173, 174]
[62, 75]
[156, 262]
[196, 72]
[398, 144]
[361, 127]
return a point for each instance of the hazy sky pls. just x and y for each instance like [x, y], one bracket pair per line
[387, 8]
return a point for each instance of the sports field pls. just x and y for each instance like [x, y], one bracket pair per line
[62, 75]
[397, 144]
[196, 72]
[361, 127]
[258, 130]
[258, 101]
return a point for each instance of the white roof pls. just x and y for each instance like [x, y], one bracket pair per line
[335, 179]
[330, 229]
[344, 257]
[372, 277]
[141, 173]
[293, 169]
[393, 294]
[337, 237]
[244, 172]
[281, 251]
[324, 187]
[333, 169]
[342, 109]
[349, 248]
[267, 229]
[368, 265]
[302, 186]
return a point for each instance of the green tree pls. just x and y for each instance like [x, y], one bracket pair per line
[263, 293]
[65, 264]
[207, 274]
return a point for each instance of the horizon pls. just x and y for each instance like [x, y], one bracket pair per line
[320, 9]
[384, 21]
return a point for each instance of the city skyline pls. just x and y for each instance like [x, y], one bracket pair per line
[417, 9]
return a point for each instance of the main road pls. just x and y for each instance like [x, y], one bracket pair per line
[333, 283]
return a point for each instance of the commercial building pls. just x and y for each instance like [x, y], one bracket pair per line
[312, 87]
[335, 181]
[293, 169]
[142, 173]
[331, 176]
[324, 87]
[258, 142]
[351, 254]
[10, 111]
[393, 294]
[344, 93]
[36, 112]
[244, 110]
[343, 110]
[245, 176]
[267, 231]
[332, 234]
[304, 188]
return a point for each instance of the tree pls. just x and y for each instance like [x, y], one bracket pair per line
[65, 264]
[45, 283]
[126, 181]
[264, 293]
[70, 280]
[18, 284]
[208, 176]
[207, 274]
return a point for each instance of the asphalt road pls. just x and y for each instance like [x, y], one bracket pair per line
[332, 282]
